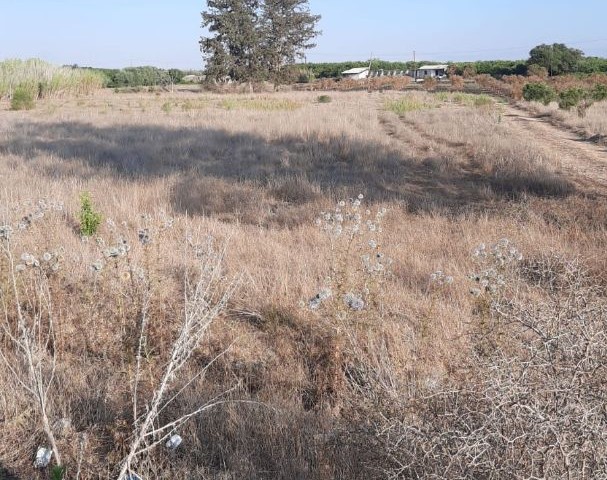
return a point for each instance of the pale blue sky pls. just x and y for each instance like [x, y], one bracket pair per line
[165, 33]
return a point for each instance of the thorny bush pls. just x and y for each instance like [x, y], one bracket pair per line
[531, 407]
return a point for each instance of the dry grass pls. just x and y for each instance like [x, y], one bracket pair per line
[255, 177]
[592, 125]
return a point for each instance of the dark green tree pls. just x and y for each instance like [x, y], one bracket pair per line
[255, 39]
[557, 58]
[288, 29]
[233, 47]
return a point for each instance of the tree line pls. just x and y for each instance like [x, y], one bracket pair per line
[146, 76]
[495, 68]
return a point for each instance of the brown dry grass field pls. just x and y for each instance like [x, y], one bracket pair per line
[593, 125]
[492, 368]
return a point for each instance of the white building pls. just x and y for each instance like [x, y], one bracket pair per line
[435, 71]
[356, 73]
[193, 79]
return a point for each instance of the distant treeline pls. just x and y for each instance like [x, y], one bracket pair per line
[496, 68]
[141, 76]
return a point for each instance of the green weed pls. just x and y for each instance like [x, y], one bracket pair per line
[89, 218]
[262, 104]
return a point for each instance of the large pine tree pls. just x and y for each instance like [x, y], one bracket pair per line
[233, 47]
[256, 39]
[289, 29]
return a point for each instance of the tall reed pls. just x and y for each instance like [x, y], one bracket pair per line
[44, 80]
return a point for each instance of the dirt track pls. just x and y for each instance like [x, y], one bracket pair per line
[585, 162]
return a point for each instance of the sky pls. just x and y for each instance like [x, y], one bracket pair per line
[165, 33]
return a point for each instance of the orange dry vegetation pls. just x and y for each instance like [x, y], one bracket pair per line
[321, 384]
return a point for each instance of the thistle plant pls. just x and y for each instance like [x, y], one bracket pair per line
[358, 266]
[495, 267]
[494, 264]
[28, 325]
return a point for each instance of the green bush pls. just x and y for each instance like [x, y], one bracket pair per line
[57, 472]
[324, 99]
[89, 218]
[22, 99]
[571, 98]
[482, 101]
[539, 92]
[599, 93]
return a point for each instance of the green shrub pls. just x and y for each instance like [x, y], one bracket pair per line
[260, 104]
[571, 98]
[89, 218]
[57, 472]
[22, 99]
[482, 100]
[539, 92]
[407, 104]
[599, 93]
[324, 99]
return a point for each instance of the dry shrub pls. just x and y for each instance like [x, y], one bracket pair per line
[229, 201]
[370, 84]
[517, 83]
[457, 82]
[469, 71]
[294, 189]
[512, 85]
[258, 442]
[430, 84]
[239, 88]
[392, 83]
[532, 406]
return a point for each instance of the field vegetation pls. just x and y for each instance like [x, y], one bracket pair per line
[593, 125]
[574, 102]
[386, 285]
[38, 79]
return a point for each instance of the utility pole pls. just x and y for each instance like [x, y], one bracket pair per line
[414, 67]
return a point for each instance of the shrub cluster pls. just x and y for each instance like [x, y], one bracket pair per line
[22, 99]
[142, 76]
[539, 92]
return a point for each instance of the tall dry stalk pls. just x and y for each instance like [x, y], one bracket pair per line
[32, 338]
[205, 298]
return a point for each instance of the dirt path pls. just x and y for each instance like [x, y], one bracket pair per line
[585, 162]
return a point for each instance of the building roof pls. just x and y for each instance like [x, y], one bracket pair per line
[433, 67]
[354, 71]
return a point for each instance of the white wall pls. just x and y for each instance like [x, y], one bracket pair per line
[358, 76]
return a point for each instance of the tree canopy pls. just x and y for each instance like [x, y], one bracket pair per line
[256, 39]
[557, 58]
